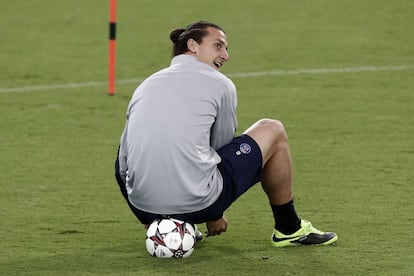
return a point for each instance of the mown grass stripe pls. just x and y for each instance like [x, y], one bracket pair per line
[273, 73]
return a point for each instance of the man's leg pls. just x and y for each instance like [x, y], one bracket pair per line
[277, 182]
[277, 173]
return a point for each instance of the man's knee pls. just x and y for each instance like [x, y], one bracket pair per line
[269, 134]
[274, 127]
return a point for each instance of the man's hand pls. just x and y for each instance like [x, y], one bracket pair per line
[215, 227]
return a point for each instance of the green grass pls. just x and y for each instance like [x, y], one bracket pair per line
[351, 134]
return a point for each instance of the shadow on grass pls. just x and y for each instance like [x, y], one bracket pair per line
[212, 257]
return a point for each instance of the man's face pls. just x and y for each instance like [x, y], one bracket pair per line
[212, 50]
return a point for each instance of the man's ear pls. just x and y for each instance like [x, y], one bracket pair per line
[192, 45]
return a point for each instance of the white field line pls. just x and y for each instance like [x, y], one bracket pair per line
[275, 73]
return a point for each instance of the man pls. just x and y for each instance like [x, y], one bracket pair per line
[178, 156]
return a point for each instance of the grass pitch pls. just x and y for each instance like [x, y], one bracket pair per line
[350, 130]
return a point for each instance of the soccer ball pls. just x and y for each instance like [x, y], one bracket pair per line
[170, 238]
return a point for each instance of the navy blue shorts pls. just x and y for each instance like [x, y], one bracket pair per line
[240, 168]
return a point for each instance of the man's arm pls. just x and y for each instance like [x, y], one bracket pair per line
[122, 155]
[225, 125]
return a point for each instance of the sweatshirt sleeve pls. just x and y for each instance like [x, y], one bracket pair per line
[122, 155]
[224, 127]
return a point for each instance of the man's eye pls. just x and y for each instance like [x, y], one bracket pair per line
[218, 46]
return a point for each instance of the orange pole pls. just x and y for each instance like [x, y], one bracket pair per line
[112, 44]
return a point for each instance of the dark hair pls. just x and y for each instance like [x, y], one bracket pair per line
[196, 31]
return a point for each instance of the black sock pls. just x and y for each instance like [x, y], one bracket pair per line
[286, 219]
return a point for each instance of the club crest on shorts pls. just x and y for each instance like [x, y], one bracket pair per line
[245, 148]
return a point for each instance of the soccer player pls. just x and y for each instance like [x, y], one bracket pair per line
[178, 156]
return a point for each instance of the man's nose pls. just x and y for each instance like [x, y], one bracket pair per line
[225, 55]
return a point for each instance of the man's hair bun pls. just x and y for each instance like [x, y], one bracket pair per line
[175, 35]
